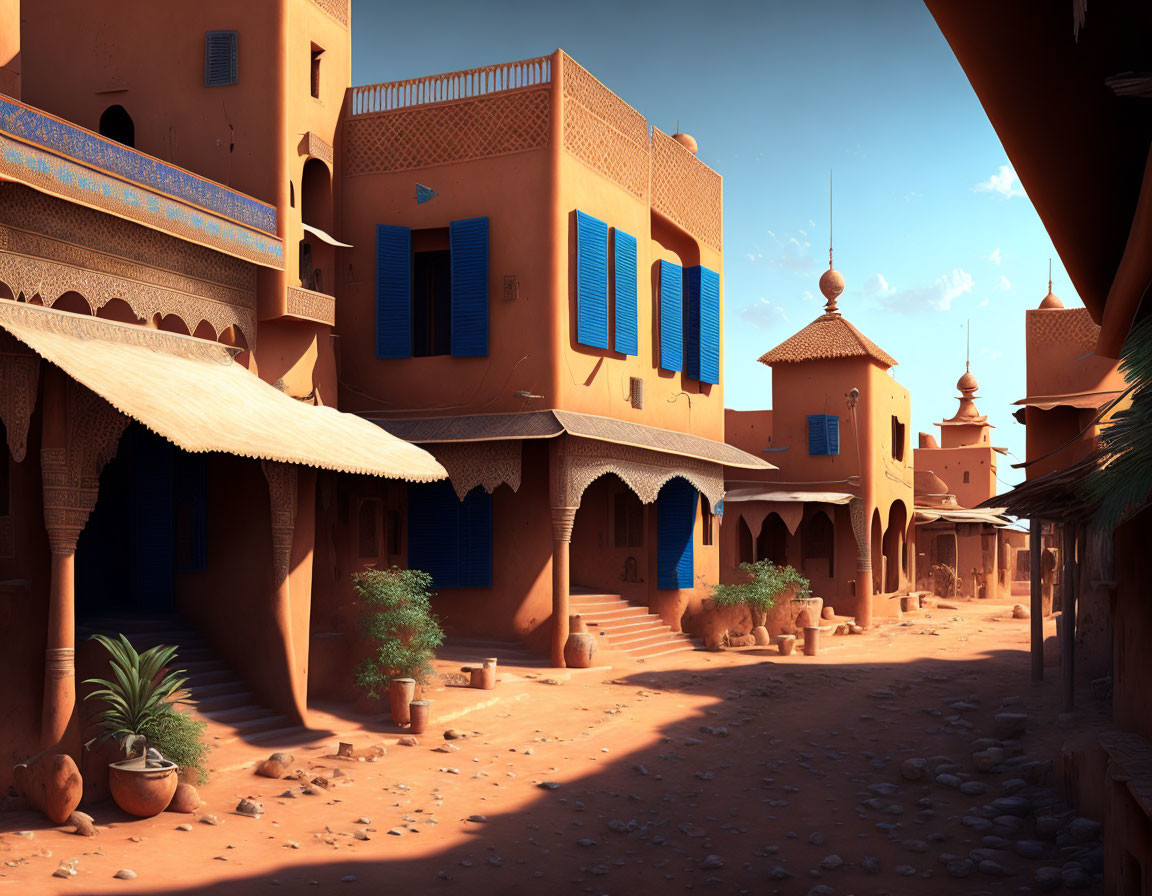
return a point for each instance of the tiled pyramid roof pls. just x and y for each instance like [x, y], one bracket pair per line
[829, 336]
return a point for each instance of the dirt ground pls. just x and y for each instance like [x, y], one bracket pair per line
[739, 771]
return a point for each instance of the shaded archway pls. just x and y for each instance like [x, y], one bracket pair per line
[72, 302]
[116, 124]
[876, 547]
[818, 545]
[118, 310]
[895, 553]
[204, 331]
[610, 540]
[772, 542]
[171, 323]
[317, 257]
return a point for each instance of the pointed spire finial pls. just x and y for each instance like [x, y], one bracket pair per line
[968, 349]
[832, 281]
[1049, 274]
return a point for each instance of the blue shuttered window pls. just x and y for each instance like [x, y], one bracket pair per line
[591, 281]
[624, 292]
[449, 539]
[468, 241]
[671, 316]
[675, 522]
[220, 67]
[823, 434]
[393, 292]
[702, 339]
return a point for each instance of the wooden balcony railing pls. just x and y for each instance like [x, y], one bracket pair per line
[473, 82]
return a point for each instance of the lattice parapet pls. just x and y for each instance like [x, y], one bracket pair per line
[687, 191]
[337, 9]
[1072, 327]
[603, 131]
[423, 136]
[311, 305]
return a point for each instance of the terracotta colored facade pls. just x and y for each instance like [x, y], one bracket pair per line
[842, 517]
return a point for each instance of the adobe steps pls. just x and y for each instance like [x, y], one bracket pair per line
[626, 627]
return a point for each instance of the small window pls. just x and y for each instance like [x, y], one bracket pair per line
[627, 520]
[431, 303]
[317, 52]
[116, 124]
[220, 67]
[823, 434]
[705, 521]
[966, 476]
[897, 439]
[368, 529]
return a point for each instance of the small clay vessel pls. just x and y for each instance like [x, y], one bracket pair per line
[579, 650]
[827, 613]
[811, 640]
[909, 602]
[418, 715]
[140, 790]
[760, 634]
[576, 625]
[401, 692]
[786, 643]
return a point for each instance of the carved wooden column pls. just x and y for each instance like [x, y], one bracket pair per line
[562, 520]
[861, 528]
[282, 498]
[81, 432]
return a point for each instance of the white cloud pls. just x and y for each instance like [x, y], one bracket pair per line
[763, 313]
[808, 296]
[1005, 283]
[1005, 183]
[984, 304]
[939, 295]
[791, 255]
[991, 353]
[996, 257]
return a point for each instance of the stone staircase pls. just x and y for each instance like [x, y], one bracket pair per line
[626, 627]
[214, 692]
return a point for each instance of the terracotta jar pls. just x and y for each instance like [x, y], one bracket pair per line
[760, 634]
[140, 790]
[576, 625]
[786, 643]
[811, 640]
[909, 602]
[579, 650]
[418, 714]
[401, 692]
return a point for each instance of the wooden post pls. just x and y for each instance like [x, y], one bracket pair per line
[1036, 617]
[1068, 615]
[562, 520]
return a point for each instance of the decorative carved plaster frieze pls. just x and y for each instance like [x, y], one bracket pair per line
[19, 380]
[311, 305]
[563, 520]
[71, 474]
[488, 464]
[282, 498]
[576, 463]
[318, 148]
[859, 515]
[59, 663]
[337, 9]
[50, 280]
[687, 191]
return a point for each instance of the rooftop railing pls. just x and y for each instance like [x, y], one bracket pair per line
[473, 82]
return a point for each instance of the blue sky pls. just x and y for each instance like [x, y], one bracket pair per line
[931, 227]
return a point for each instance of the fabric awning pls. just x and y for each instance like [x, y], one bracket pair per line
[192, 392]
[552, 423]
[992, 516]
[321, 235]
[785, 497]
[1084, 400]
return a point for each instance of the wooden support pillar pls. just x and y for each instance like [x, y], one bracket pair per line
[862, 529]
[1036, 610]
[562, 521]
[1068, 617]
[282, 493]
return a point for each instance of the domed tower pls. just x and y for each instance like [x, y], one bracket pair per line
[967, 426]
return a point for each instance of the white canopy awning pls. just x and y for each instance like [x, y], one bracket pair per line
[767, 493]
[321, 235]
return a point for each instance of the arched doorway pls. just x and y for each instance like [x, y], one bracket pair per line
[895, 552]
[875, 545]
[772, 542]
[610, 540]
[317, 258]
[116, 124]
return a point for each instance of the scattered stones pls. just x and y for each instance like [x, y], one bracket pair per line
[250, 807]
[780, 873]
[208, 819]
[409, 740]
[988, 759]
[67, 869]
[1048, 879]
[832, 862]
[185, 800]
[1011, 724]
[125, 874]
[712, 862]
[183, 827]
[455, 734]
[446, 748]
[913, 769]
[479, 819]
[816, 838]
[871, 864]
[973, 788]
[363, 819]
[1030, 849]
[548, 785]
[949, 781]
[1019, 611]
[276, 765]
[960, 868]
[1019, 806]
[1083, 830]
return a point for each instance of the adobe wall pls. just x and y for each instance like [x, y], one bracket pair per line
[10, 48]
[950, 464]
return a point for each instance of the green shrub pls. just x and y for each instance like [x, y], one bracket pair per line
[179, 737]
[766, 582]
[399, 622]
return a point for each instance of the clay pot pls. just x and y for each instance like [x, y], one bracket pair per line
[909, 602]
[811, 640]
[579, 650]
[786, 643]
[576, 625]
[828, 613]
[760, 635]
[807, 611]
[418, 715]
[483, 678]
[401, 691]
[140, 790]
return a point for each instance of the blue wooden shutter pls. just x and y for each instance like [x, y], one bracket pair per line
[671, 316]
[476, 539]
[624, 292]
[433, 532]
[591, 281]
[393, 292]
[220, 68]
[675, 522]
[832, 427]
[468, 241]
[709, 341]
[817, 434]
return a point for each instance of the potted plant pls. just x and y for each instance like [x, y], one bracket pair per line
[136, 702]
[766, 582]
[403, 631]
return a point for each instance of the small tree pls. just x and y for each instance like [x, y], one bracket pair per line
[398, 620]
[766, 582]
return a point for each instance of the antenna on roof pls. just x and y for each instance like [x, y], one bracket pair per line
[968, 348]
[1049, 273]
[829, 218]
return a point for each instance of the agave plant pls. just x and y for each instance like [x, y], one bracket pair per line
[138, 697]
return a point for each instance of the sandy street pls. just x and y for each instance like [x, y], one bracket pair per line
[730, 772]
